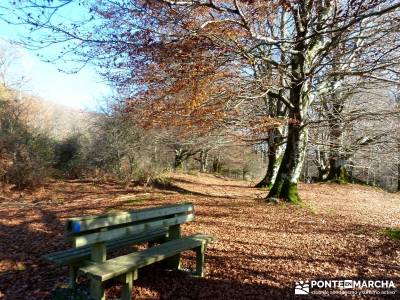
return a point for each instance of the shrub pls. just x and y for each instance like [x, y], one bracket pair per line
[163, 182]
[70, 159]
[32, 162]
[65, 152]
[26, 157]
[393, 233]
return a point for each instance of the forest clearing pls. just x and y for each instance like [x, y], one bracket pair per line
[199, 149]
[260, 249]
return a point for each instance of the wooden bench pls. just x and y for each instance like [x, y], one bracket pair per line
[95, 236]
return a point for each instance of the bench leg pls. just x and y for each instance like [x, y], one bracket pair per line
[127, 285]
[97, 290]
[73, 274]
[200, 261]
[98, 253]
[173, 262]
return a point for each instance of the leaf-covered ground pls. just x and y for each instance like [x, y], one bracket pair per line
[261, 249]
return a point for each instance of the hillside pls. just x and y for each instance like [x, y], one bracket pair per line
[51, 119]
[57, 121]
[261, 249]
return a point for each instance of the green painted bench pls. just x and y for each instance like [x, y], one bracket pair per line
[94, 236]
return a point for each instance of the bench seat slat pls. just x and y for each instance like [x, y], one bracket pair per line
[127, 263]
[139, 238]
[75, 255]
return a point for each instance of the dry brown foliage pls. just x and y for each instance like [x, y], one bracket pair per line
[261, 249]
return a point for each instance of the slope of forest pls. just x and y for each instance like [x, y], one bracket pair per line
[260, 251]
[55, 120]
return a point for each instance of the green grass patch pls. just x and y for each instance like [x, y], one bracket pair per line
[308, 206]
[393, 233]
[192, 172]
[137, 200]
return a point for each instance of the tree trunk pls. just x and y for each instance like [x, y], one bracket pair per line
[337, 170]
[322, 173]
[398, 164]
[337, 159]
[300, 98]
[323, 164]
[274, 160]
[244, 174]
[217, 165]
[180, 157]
[285, 185]
[203, 161]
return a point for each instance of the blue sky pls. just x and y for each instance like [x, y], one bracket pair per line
[84, 89]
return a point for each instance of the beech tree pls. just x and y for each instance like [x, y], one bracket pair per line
[351, 124]
[157, 49]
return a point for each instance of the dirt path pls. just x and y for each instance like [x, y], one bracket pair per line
[261, 249]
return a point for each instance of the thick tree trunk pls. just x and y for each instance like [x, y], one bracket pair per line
[285, 185]
[274, 160]
[337, 159]
[300, 97]
[337, 170]
[267, 180]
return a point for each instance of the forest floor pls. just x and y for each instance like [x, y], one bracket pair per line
[260, 251]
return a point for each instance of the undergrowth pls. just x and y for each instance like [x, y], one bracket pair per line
[393, 233]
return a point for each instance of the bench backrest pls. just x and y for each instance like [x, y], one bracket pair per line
[89, 230]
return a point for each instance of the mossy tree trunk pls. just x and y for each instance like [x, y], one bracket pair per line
[303, 61]
[285, 185]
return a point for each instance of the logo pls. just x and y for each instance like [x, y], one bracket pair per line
[350, 287]
[348, 284]
[302, 288]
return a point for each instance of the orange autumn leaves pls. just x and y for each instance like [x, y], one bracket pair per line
[191, 106]
[194, 75]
